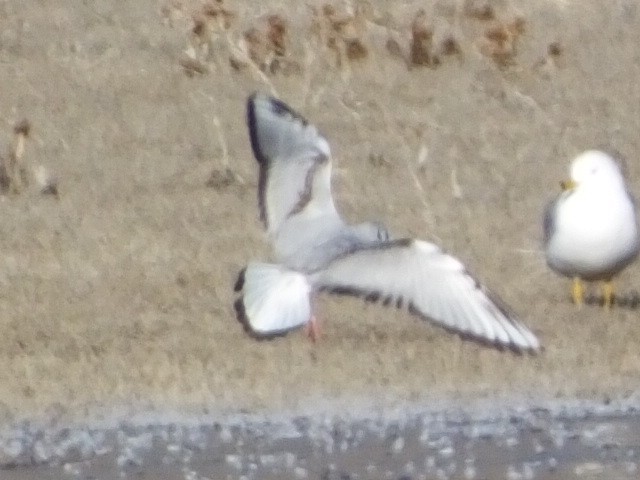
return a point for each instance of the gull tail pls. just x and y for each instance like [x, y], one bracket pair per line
[274, 299]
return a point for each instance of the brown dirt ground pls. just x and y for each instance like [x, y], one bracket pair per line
[120, 291]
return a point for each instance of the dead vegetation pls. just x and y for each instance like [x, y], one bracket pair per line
[129, 284]
[479, 9]
[553, 59]
[421, 41]
[342, 34]
[266, 44]
[500, 41]
[15, 173]
[341, 31]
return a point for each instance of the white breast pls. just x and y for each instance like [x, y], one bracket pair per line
[594, 235]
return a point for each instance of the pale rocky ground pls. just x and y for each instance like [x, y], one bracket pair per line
[119, 292]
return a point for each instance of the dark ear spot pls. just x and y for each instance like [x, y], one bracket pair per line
[282, 109]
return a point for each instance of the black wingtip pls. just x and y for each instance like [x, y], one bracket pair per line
[282, 109]
[241, 313]
[252, 123]
[468, 336]
[399, 303]
[240, 280]
[263, 161]
[278, 107]
[241, 316]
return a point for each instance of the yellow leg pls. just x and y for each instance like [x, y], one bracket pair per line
[608, 293]
[577, 292]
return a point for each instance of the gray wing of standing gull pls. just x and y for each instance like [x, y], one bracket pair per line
[549, 221]
[436, 286]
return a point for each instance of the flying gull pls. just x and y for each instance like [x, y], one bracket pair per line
[591, 228]
[317, 251]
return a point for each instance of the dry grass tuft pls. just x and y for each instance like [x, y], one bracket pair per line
[192, 66]
[22, 129]
[450, 46]
[553, 58]
[207, 23]
[267, 47]
[257, 48]
[220, 179]
[479, 9]
[429, 45]
[13, 172]
[355, 49]
[47, 182]
[342, 31]
[277, 34]
[421, 41]
[268, 44]
[340, 34]
[555, 49]
[500, 41]
[394, 48]
[218, 14]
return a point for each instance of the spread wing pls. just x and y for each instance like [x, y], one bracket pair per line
[432, 284]
[295, 164]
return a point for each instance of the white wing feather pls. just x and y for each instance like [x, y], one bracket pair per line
[275, 299]
[433, 284]
[298, 211]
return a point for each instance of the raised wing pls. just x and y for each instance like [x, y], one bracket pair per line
[431, 284]
[295, 163]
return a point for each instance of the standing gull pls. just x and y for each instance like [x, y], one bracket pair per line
[318, 251]
[591, 229]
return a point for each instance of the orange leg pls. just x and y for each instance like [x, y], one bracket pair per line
[312, 329]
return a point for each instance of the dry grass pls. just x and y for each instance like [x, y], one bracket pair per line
[15, 174]
[121, 291]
